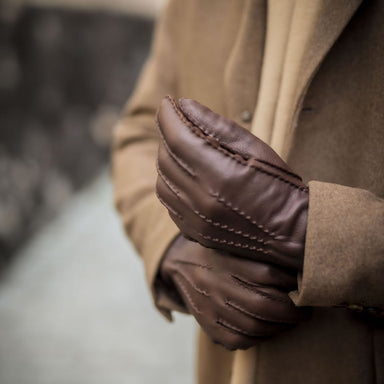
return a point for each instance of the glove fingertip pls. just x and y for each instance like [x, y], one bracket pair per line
[191, 109]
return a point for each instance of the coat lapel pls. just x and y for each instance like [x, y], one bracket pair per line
[242, 71]
[316, 25]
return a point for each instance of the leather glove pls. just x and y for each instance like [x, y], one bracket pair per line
[227, 189]
[236, 301]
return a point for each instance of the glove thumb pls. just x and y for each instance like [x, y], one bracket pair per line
[230, 135]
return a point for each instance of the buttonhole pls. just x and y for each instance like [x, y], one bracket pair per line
[308, 110]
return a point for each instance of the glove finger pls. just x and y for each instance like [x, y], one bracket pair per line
[196, 223]
[181, 142]
[209, 311]
[242, 317]
[198, 276]
[233, 331]
[231, 135]
[238, 332]
[265, 303]
[174, 205]
[254, 273]
[174, 130]
[197, 153]
[209, 161]
[171, 184]
[203, 214]
[248, 324]
[196, 298]
[166, 197]
[228, 339]
[177, 180]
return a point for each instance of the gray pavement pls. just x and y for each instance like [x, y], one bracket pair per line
[74, 309]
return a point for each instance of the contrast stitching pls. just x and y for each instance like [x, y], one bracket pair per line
[239, 232]
[232, 243]
[204, 266]
[254, 315]
[201, 125]
[192, 117]
[237, 210]
[178, 161]
[170, 209]
[238, 158]
[193, 285]
[289, 173]
[186, 293]
[229, 229]
[170, 185]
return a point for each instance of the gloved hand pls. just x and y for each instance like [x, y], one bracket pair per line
[227, 189]
[236, 301]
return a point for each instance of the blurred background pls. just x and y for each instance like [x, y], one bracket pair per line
[74, 307]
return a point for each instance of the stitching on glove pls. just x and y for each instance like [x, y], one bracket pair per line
[204, 266]
[237, 210]
[170, 209]
[255, 315]
[169, 184]
[192, 117]
[231, 230]
[177, 159]
[173, 188]
[232, 328]
[193, 285]
[238, 158]
[232, 243]
[186, 293]
[253, 288]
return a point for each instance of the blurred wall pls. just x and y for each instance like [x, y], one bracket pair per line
[148, 8]
[65, 74]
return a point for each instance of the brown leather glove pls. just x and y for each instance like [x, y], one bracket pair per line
[235, 300]
[227, 189]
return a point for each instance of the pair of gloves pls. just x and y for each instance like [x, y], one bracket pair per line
[242, 214]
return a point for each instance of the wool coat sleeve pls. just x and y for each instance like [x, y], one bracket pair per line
[344, 251]
[134, 154]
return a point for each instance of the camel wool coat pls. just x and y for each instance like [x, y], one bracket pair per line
[328, 124]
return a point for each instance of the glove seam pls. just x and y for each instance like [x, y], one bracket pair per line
[252, 288]
[232, 243]
[204, 266]
[192, 117]
[254, 315]
[237, 210]
[239, 232]
[211, 222]
[187, 294]
[178, 161]
[169, 184]
[225, 151]
[193, 285]
[236, 330]
[170, 209]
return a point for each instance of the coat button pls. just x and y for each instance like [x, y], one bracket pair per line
[246, 116]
